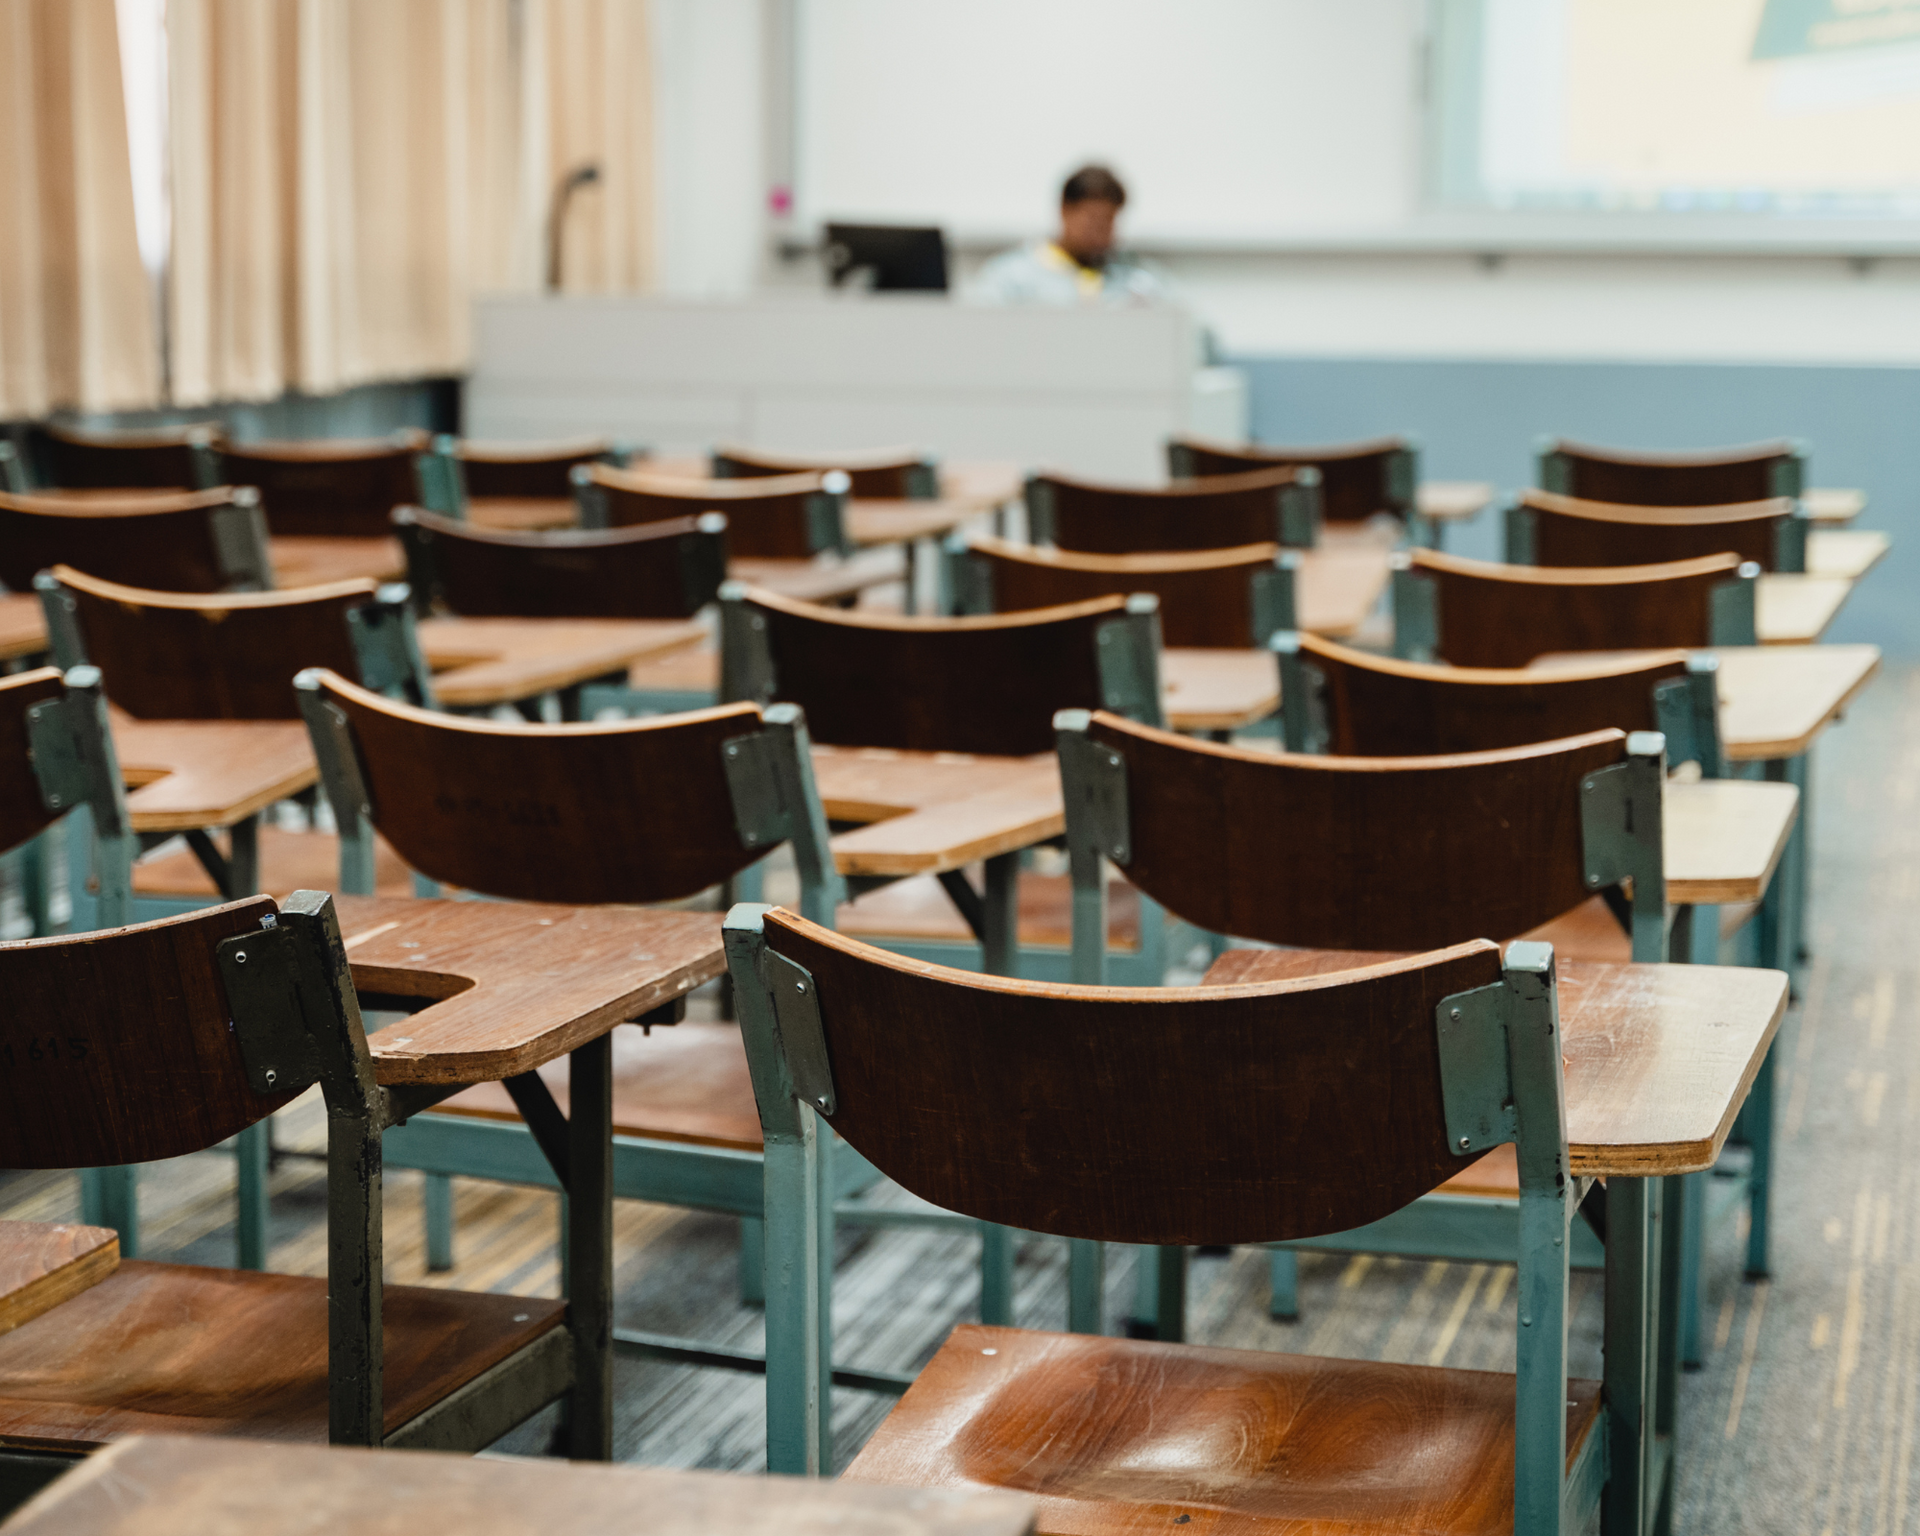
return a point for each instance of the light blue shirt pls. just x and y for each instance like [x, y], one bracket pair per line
[1042, 273]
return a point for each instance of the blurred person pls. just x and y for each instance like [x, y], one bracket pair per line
[1079, 265]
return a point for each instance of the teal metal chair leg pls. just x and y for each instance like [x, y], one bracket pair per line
[1283, 1265]
[1631, 1353]
[1086, 1286]
[437, 1211]
[996, 1274]
[794, 1406]
[110, 1197]
[753, 1261]
[253, 1152]
[1692, 1228]
[1758, 1116]
[823, 1354]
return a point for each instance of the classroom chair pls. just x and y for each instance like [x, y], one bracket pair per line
[778, 517]
[1542, 528]
[1477, 613]
[631, 811]
[1295, 1077]
[176, 541]
[1208, 598]
[149, 458]
[328, 486]
[169, 1037]
[1358, 481]
[1709, 478]
[880, 473]
[663, 570]
[1268, 506]
[453, 469]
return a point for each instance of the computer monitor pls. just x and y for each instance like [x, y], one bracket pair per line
[899, 256]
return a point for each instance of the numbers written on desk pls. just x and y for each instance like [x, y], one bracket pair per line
[42, 1050]
[515, 813]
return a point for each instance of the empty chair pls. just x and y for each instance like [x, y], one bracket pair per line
[881, 473]
[1357, 480]
[664, 570]
[339, 487]
[149, 458]
[1269, 506]
[1710, 478]
[1208, 598]
[1475, 613]
[986, 684]
[185, 541]
[782, 517]
[1546, 529]
[454, 469]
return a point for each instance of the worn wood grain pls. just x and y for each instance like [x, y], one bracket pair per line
[173, 1486]
[1798, 610]
[161, 539]
[925, 812]
[1570, 531]
[184, 774]
[45, 1263]
[1123, 1437]
[186, 1349]
[496, 661]
[1713, 477]
[341, 486]
[1724, 838]
[1218, 512]
[1354, 483]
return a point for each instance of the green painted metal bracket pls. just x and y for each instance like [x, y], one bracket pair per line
[1128, 651]
[746, 659]
[1274, 596]
[387, 648]
[63, 622]
[1039, 498]
[1303, 696]
[1297, 511]
[1416, 612]
[239, 530]
[1732, 608]
[1521, 527]
[1621, 819]
[827, 514]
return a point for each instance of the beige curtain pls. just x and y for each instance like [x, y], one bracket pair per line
[347, 174]
[76, 307]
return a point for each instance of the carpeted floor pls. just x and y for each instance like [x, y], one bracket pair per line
[1803, 1418]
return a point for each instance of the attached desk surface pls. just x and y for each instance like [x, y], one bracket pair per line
[1451, 501]
[42, 1263]
[1849, 552]
[187, 774]
[177, 1485]
[23, 628]
[477, 662]
[1797, 610]
[1833, 504]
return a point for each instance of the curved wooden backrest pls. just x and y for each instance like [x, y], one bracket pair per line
[116, 1044]
[1570, 532]
[1316, 1104]
[1357, 852]
[988, 685]
[165, 540]
[1206, 597]
[1505, 615]
[1379, 707]
[633, 810]
[22, 813]
[155, 458]
[1712, 477]
[882, 473]
[526, 469]
[338, 486]
[666, 570]
[1225, 512]
[178, 656]
[767, 519]
[1357, 480]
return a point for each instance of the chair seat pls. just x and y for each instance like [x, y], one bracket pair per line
[182, 1349]
[1116, 1435]
[289, 861]
[920, 909]
[682, 1082]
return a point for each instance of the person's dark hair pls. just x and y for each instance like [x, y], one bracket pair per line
[1093, 184]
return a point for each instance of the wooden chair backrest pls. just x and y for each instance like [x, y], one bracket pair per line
[22, 812]
[767, 518]
[632, 810]
[1226, 512]
[1206, 597]
[979, 1093]
[1357, 480]
[181, 656]
[154, 458]
[1505, 615]
[526, 469]
[1569, 532]
[1715, 477]
[164, 540]
[117, 1045]
[343, 487]
[882, 473]
[989, 685]
[667, 570]
[1377, 706]
[1357, 852]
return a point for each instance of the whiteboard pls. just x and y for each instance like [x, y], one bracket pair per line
[1231, 121]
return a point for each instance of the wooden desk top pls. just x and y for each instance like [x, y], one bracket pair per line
[1451, 500]
[1796, 610]
[1659, 1058]
[515, 984]
[1340, 584]
[875, 521]
[1724, 837]
[43, 1263]
[1849, 552]
[933, 811]
[1776, 699]
[1833, 505]
[313, 560]
[824, 579]
[23, 628]
[200, 1485]
[522, 514]
[1217, 690]
[478, 662]
[183, 774]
